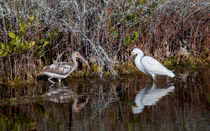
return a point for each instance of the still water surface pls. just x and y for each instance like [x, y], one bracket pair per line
[131, 103]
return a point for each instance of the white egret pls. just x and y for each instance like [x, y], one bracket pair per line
[149, 65]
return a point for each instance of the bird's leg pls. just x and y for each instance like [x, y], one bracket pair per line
[59, 82]
[154, 79]
[49, 79]
[154, 84]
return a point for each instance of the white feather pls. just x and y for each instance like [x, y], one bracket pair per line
[149, 65]
[154, 66]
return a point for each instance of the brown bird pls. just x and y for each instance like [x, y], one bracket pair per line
[62, 70]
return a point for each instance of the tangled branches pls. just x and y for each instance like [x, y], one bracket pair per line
[105, 31]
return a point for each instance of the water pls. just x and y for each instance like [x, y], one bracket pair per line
[132, 103]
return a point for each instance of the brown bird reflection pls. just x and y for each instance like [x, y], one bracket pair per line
[64, 94]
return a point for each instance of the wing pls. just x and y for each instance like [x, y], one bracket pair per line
[154, 95]
[154, 66]
[60, 68]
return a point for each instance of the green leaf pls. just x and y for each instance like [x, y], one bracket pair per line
[28, 24]
[31, 44]
[12, 35]
[128, 11]
[38, 23]
[58, 29]
[3, 54]
[19, 24]
[17, 40]
[7, 48]
[49, 35]
[141, 1]
[116, 34]
[136, 34]
[42, 40]
[127, 39]
[12, 42]
[133, 40]
[31, 18]
[25, 45]
[25, 26]
[15, 50]
[22, 30]
[45, 43]
[112, 29]
[2, 45]
[3, 50]
[193, 66]
[41, 53]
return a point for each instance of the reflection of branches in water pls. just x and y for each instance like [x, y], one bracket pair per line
[192, 81]
[104, 99]
[102, 95]
[105, 96]
[77, 107]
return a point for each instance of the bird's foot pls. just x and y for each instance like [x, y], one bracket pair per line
[51, 86]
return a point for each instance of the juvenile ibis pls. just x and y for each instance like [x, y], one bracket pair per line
[62, 70]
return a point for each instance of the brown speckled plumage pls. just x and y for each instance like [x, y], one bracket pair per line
[61, 70]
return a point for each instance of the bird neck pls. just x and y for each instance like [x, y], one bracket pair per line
[75, 63]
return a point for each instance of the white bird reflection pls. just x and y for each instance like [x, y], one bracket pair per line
[149, 97]
[64, 94]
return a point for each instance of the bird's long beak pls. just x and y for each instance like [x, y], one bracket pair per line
[85, 61]
[132, 107]
[130, 55]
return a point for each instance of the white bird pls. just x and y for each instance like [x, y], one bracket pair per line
[149, 97]
[149, 65]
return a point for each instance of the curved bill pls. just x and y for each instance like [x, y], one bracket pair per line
[85, 61]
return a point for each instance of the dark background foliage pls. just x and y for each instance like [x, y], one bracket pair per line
[36, 33]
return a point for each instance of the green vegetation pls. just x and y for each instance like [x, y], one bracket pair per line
[36, 33]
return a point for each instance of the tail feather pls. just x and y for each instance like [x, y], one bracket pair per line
[170, 74]
[41, 72]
